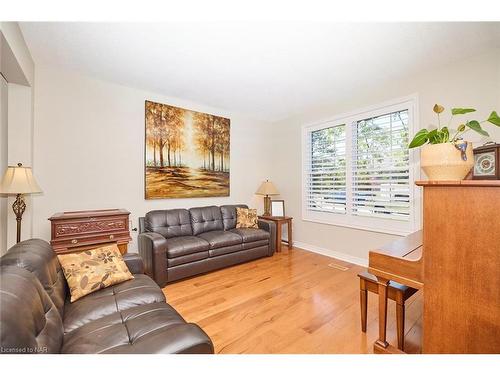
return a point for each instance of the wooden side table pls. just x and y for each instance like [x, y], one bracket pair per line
[279, 221]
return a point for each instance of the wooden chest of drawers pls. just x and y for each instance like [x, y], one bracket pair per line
[77, 230]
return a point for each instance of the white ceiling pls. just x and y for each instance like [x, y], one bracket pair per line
[267, 70]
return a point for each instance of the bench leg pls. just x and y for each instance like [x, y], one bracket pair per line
[382, 343]
[363, 299]
[400, 322]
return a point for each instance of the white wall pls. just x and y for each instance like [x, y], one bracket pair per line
[89, 149]
[474, 82]
[20, 138]
[3, 161]
[20, 66]
[17, 67]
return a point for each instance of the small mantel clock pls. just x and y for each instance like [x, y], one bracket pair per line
[487, 162]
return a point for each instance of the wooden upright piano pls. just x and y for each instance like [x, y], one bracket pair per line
[456, 261]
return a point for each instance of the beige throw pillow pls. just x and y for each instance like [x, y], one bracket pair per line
[91, 270]
[246, 218]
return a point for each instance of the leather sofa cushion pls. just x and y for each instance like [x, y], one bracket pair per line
[251, 245]
[229, 215]
[205, 219]
[220, 238]
[37, 256]
[29, 320]
[169, 223]
[225, 250]
[251, 234]
[181, 246]
[141, 290]
[152, 328]
[172, 262]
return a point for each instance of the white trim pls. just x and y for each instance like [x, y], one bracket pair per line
[381, 225]
[331, 253]
[355, 113]
[368, 228]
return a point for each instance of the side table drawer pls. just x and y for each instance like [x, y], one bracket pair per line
[90, 226]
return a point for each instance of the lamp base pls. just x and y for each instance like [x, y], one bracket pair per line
[267, 205]
[18, 207]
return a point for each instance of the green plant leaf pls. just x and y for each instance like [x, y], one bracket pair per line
[445, 134]
[439, 135]
[474, 125]
[494, 119]
[433, 137]
[461, 111]
[420, 138]
[438, 108]
[461, 128]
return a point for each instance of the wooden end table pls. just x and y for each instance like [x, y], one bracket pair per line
[279, 221]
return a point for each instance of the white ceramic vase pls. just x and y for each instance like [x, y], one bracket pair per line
[443, 161]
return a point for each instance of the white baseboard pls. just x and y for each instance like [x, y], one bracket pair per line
[332, 253]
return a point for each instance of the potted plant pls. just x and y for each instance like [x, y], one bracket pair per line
[446, 156]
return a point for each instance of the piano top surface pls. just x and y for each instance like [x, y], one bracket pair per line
[459, 183]
[400, 260]
[403, 247]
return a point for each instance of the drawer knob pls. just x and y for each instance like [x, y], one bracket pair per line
[111, 236]
[74, 241]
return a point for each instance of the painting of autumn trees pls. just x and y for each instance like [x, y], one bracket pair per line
[187, 153]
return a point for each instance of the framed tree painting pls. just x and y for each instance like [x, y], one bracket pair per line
[186, 153]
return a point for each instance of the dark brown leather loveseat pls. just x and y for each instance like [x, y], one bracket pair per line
[131, 317]
[179, 243]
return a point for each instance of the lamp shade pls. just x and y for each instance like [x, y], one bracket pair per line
[267, 188]
[19, 180]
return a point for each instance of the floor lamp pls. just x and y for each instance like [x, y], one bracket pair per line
[19, 181]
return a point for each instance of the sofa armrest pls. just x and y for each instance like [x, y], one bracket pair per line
[153, 250]
[134, 263]
[269, 226]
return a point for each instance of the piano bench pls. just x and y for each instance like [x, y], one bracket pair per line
[395, 291]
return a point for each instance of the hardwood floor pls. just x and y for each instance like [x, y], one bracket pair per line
[294, 302]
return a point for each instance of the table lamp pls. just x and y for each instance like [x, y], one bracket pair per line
[19, 181]
[267, 188]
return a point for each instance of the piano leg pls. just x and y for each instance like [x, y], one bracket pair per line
[363, 297]
[382, 343]
[400, 321]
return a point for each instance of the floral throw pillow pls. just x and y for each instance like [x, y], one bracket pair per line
[246, 218]
[91, 270]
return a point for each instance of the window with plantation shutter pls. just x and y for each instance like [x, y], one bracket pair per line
[358, 170]
[326, 176]
[381, 167]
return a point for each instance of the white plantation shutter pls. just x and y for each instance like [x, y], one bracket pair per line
[380, 167]
[326, 170]
[358, 170]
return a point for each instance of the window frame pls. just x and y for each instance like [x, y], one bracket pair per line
[381, 225]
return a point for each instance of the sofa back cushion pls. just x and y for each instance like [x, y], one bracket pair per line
[29, 320]
[229, 215]
[169, 223]
[37, 256]
[206, 219]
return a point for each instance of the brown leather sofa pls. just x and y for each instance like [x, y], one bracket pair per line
[179, 243]
[131, 317]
